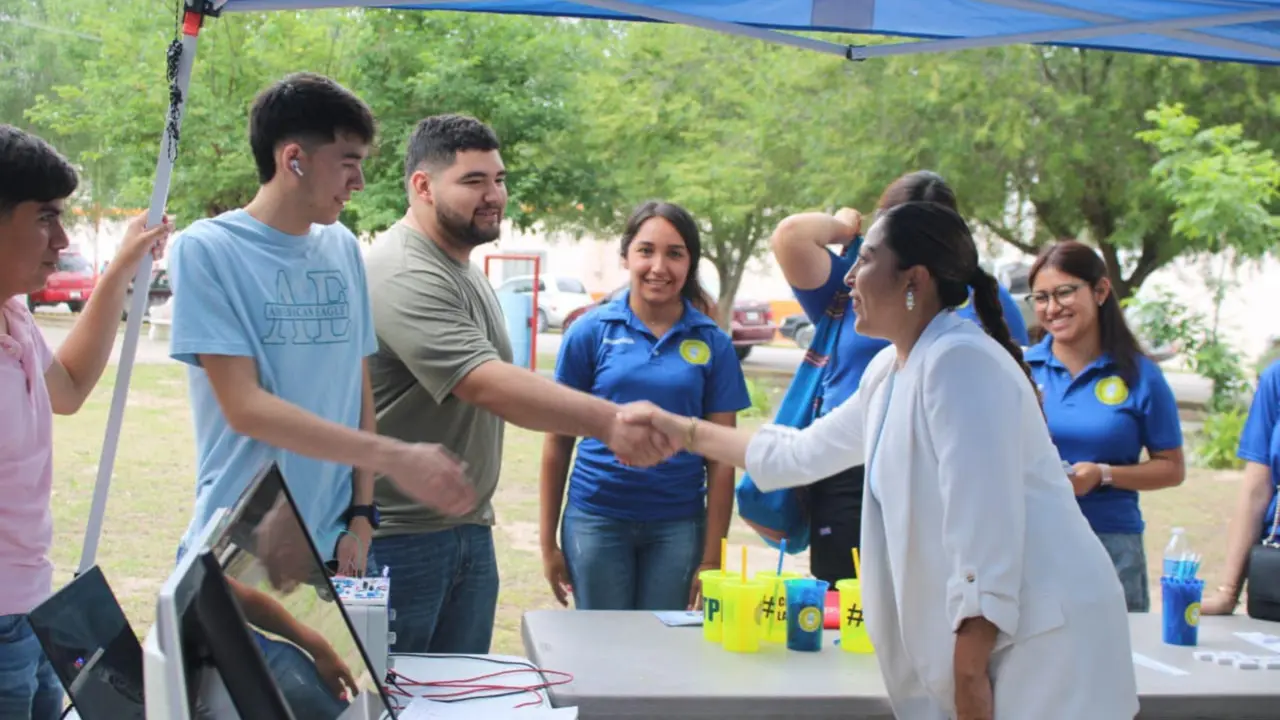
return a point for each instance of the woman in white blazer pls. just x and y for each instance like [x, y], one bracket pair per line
[986, 593]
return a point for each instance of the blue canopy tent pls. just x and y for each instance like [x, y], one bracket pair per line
[1245, 31]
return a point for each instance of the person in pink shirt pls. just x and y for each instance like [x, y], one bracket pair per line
[35, 383]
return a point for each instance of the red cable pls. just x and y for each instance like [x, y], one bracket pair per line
[469, 686]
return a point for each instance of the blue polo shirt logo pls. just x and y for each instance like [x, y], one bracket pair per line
[695, 352]
[1111, 391]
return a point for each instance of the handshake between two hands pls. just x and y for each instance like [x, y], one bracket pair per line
[640, 435]
[643, 435]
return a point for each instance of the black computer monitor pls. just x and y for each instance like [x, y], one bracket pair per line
[273, 563]
[92, 649]
[216, 637]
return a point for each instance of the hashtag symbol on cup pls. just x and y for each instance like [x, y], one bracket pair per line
[854, 616]
[767, 610]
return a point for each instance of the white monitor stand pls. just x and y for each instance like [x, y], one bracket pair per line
[164, 701]
[164, 672]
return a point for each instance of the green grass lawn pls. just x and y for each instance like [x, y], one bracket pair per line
[153, 491]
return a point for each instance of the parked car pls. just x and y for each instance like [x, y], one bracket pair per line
[72, 283]
[751, 324]
[158, 294]
[798, 329]
[558, 296]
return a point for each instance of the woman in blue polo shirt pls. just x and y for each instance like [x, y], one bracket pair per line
[1105, 402]
[1256, 512]
[817, 279]
[634, 538]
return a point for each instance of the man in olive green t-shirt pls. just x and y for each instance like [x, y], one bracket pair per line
[443, 374]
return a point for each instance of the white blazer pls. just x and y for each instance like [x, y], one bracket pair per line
[967, 512]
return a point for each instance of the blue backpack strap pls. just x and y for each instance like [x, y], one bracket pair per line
[784, 510]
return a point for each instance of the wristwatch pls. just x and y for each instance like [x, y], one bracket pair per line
[368, 512]
[1106, 474]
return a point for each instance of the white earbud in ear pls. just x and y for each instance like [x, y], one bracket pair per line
[293, 164]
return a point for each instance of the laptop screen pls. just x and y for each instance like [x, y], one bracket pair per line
[283, 589]
[92, 648]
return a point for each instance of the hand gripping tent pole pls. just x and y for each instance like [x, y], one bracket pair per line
[182, 55]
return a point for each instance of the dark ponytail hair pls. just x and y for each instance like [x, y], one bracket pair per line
[935, 236]
[1080, 261]
[918, 186]
[986, 303]
[687, 227]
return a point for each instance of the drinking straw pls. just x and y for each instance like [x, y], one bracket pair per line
[744, 564]
[857, 565]
[724, 554]
[782, 552]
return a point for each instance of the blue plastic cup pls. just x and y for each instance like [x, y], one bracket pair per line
[1181, 604]
[805, 599]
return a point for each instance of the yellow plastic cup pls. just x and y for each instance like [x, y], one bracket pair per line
[773, 618]
[712, 603]
[853, 628]
[741, 603]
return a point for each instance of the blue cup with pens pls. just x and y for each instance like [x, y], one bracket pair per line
[805, 601]
[1181, 592]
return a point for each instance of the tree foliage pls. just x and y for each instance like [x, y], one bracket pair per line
[513, 73]
[1053, 129]
[595, 117]
[1224, 187]
[710, 122]
[119, 102]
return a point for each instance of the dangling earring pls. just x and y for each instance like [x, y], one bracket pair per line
[911, 301]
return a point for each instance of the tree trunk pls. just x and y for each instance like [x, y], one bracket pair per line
[1119, 285]
[731, 270]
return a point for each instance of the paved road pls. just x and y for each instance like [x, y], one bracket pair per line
[1187, 388]
[150, 352]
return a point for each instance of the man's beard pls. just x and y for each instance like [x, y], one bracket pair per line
[464, 229]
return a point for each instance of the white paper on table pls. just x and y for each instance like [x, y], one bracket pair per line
[1262, 640]
[1153, 664]
[680, 618]
[424, 709]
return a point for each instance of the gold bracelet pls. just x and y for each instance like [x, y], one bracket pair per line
[688, 437]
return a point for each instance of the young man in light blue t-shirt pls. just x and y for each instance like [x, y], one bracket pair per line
[271, 313]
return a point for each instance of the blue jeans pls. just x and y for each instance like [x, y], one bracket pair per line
[299, 681]
[444, 589]
[29, 689]
[630, 565]
[1130, 559]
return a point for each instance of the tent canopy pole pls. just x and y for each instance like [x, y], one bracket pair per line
[182, 55]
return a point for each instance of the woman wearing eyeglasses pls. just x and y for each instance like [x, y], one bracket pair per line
[1105, 402]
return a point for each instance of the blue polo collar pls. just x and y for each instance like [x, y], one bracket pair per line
[619, 310]
[1042, 354]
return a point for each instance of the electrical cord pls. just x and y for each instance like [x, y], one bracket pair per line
[466, 689]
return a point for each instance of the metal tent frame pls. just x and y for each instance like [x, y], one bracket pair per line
[1243, 32]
